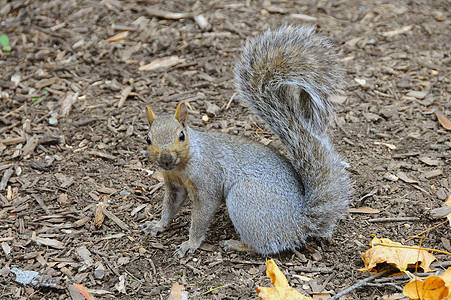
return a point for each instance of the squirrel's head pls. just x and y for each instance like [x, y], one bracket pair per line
[167, 139]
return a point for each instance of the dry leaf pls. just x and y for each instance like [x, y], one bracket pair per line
[444, 121]
[178, 292]
[363, 210]
[432, 288]
[396, 254]
[165, 62]
[281, 289]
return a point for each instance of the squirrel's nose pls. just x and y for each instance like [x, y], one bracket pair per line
[166, 160]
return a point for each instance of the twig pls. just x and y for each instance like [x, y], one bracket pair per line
[412, 247]
[230, 101]
[381, 285]
[418, 234]
[115, 219]
[359, 284]
[398, 219]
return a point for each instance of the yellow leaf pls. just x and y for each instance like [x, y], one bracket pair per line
[395, 254]
[432, 288]
[281, 289]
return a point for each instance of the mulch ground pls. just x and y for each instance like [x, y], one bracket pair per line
[72, 128]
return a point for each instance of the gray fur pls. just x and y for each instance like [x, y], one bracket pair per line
[286, 77]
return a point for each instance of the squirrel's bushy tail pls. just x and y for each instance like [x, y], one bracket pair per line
[287, 77]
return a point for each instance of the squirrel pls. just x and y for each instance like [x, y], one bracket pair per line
[286, 77]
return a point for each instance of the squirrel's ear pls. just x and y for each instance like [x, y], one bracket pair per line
[181, 113]
[150, 115]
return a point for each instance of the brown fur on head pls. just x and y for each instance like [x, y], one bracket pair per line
[167, 138]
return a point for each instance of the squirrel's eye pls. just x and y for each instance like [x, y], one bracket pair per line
[148, 140]
[181, 136]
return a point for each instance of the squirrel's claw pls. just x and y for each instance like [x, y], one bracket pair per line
[186, 247]
[152, 227]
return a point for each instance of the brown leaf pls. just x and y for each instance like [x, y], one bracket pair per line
[386, 251]
[444, 121]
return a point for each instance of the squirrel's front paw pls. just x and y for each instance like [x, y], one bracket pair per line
[152, 227]
[186, 247]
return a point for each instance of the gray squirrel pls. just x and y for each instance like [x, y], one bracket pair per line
[286, 77]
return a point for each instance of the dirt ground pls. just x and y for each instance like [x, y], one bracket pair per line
[58, 165]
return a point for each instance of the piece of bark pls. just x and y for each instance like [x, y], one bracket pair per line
[166, 14]
[32, 143]
[115, 219]
[6, 176]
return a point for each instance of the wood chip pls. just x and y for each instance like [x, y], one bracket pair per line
[444, 121]
[155, 12]
[32, 143]
[40, 202]
[6, 176]
[124, 95]
[118, 37]
[162, 63]
[12, 141]
[429, 161]
[66, 102]
[105, 190]
[202, 21]
[391, 177]
[363, 210]
[398, 31]
[102, 155]
[441, 212]
[389, 146]
[46, 82]
[85, 256]
[99, 215]
[115, 219]
[303, 17]
[433, 173]
[49, 242]
[136, 210]
[417, 94]
[405, 178]
[81, 222]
